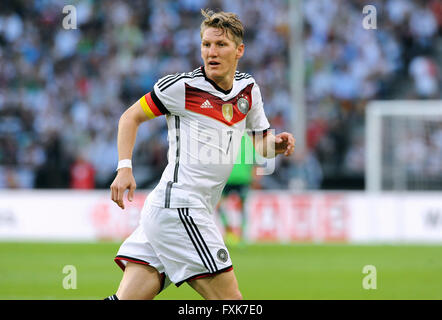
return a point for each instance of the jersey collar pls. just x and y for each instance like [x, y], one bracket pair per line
[213, 83]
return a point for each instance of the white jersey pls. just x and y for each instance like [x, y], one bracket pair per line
[205, 127]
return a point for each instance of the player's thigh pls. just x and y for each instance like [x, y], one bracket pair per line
[222, 286]
[140, 282]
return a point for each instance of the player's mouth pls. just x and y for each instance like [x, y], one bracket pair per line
[214, 63]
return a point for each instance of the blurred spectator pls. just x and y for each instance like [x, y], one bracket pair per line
[82, 174]
[305, 172]
[424, 71]
[354, 160]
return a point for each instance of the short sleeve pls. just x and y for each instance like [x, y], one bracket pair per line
[256, 119]
[169, 93]
[152, 106]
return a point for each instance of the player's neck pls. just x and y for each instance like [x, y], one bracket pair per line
[223, 83]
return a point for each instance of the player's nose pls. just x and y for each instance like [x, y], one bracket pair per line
[213, 52]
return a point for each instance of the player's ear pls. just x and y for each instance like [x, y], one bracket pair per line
[240, 51]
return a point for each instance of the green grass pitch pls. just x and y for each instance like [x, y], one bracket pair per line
[264, 272]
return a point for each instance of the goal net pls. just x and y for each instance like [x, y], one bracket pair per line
[403, 145]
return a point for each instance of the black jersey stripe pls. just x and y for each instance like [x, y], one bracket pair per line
[191, 238]
[174, 77]
[178, 145]
[186, 215]
[166, 81]
[175, 80]
[242, 76]
[171, 77]
[196, 71]
[167, 78]
[171, 81]
[191, 235]
[167, 196]
[167, 84]
[177, 164]
[158, 102]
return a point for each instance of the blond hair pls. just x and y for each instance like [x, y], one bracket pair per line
[226, 21]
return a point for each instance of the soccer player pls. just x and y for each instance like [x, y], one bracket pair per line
[207, 111]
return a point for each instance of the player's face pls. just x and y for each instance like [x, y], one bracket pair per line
[220, 54]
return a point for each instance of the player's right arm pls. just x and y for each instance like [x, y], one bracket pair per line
[142, 110]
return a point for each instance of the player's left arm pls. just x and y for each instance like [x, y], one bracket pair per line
[269, 145]
[265, 143]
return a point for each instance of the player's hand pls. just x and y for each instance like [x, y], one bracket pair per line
[284, 143]
[123, 181]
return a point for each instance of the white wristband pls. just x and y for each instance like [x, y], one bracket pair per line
[125, 163]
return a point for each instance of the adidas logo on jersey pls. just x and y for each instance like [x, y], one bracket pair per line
[206, 104]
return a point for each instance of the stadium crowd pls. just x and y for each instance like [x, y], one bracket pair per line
[63, 91]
